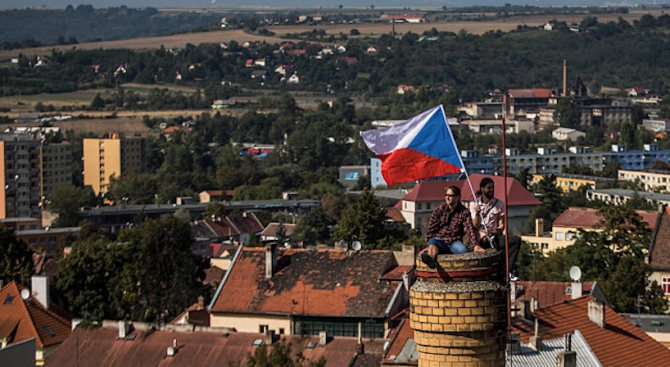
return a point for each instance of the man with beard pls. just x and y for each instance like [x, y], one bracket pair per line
[446, 229]
[488, 216]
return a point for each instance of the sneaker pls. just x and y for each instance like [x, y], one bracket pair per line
[428, 260]
[512, 278]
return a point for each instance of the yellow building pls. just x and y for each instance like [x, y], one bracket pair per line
[657, 181]
[565, 229]
[567, 182]
[104, 158]
[659, 253]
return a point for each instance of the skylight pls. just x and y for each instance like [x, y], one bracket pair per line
[49, 331]
[9, 299]
[257, 342]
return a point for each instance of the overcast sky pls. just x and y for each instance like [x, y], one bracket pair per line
[18, 4]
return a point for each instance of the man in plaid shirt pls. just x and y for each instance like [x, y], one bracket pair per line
[448, 224]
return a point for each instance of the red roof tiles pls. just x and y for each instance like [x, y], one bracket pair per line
[434, 190]
[25, 319]
[399, 337]
[101, 347]
[530, 93]
[620, 343]
[547, 293]
[588, 218]
[323, 283]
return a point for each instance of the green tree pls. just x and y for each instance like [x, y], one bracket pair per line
[281, 355]
[313, 228]
[567, 113]
[66, 201]
[98, 103]
[16, 258]
[363, 221]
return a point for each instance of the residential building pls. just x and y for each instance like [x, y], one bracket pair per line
[418, 205]
[565, 229]
[657, 125]
[208, 196]
[528, 296]
[21, 224]
[111, 157]
[27, 315]
[273, 231]
[21, 354]
[45, 240]
[611, 339]
[349, 175]
[484, 110]
[495, 126]
[563, 133]
[20, 182]
[521, 102]
[56, 167]
[653, 181]
[620, 196]
[659, 252]
[239, 229]
[568, 182]
[180, 346]
[306, 292]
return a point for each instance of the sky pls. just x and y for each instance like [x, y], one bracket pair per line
[19, 4]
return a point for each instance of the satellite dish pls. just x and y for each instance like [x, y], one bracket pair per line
[575, 273]
[25, 294]
[342, 244]
[356, 246]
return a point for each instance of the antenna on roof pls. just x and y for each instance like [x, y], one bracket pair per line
[356, 246]
[25, 294]
[575, 273]
[342, 244]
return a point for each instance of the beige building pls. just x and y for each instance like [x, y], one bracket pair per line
[104, 158]
[567, 182]
[652, 181]
[659, 253]
[565, 229]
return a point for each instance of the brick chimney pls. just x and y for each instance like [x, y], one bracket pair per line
[597, 313]
[270, 260]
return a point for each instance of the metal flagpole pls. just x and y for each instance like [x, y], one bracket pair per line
[506, 220]
[467, 177]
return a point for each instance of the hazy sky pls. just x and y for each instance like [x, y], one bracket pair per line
[18, 4]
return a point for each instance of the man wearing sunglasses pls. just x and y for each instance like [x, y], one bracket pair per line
[447, 227]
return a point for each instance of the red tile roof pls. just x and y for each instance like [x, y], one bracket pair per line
[530, 93]
[394, 213]
[25, 319]
[547, 293]
[399, 337]
[320, 283]
[620, 343]
[659, 251]
[101, 347]
[434, 190]
[588, 218]
[272, 228]
[397, 272]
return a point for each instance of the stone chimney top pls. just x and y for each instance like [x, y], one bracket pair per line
[597, 313]
[270, 260]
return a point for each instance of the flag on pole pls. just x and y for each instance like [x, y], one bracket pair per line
[421, 147]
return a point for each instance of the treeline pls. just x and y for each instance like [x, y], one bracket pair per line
[615, 54]
[84, 24]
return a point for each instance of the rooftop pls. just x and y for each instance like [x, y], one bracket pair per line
[588, 218]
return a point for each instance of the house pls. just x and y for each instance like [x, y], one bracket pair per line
[637, 92]
[208, 196]
[180, 346]
[549, 26]
[295, 52]
[611, 339]
[542, 294]
[283, 69]
[564, 133]
[349, 60]
[249, 63]
[259, 74]
[293, 79]
[569, 182]
[403, 88]
[46, 240]
[371, 51]
[223, 103]
[521, 102]
[259, 62]
[233, 229]
[305, 292]
[657, 125]
[659, 252]
[566, 228]
[28, 315]
[272, 231]
[419, 203]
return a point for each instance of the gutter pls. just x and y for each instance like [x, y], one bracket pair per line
[225, 277]
[393, 299]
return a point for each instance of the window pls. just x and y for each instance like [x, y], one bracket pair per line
[418, 206]
[263, 329]
[569, 236]
[281, 331]
[545, 246]
[560, 236]
[666, 285]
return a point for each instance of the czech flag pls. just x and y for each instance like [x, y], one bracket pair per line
[421, 147]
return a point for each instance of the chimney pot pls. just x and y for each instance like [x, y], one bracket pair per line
[597, 313]
[270, 260]
[576, 290]
[323, 338]
[40, 285]
[539, 227]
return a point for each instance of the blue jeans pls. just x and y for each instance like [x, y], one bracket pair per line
[456, 247]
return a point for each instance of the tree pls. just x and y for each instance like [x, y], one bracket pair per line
[66, 201]
[567, 113]
[363, 221]
[313, 228]
[16, 258]
[279, 356]
[97, 103]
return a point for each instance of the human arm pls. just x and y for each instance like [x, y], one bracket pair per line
[474, 212]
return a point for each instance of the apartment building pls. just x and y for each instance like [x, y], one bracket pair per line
[20, 182]
[568, 182]
[112, 156]
[653, 181]
[56, 167]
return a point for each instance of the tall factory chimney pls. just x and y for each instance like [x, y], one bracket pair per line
[565, 78]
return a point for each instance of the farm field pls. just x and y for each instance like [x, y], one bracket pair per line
[365, 29]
